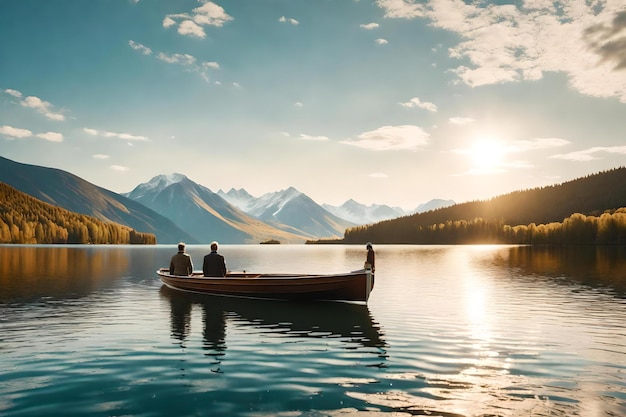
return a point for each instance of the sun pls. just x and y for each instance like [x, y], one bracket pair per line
[488, 155]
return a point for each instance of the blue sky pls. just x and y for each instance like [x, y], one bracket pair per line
[385, 101]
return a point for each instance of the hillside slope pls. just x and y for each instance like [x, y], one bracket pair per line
[72, 193]
[589, 195]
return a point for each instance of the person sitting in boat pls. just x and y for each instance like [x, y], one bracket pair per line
[370, 262]
[181, 262]
[214, 265]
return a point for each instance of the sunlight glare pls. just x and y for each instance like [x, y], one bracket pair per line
[488, 155]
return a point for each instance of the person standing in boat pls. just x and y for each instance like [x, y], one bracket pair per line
[370, 262]
[181, 262]
[214, 265]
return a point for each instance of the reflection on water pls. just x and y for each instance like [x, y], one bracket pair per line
[595, 266]
[449, 331]
[29, 272]
[350, 322]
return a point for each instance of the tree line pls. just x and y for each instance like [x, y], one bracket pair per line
[609, 228]
[27, 220]
[536, 215]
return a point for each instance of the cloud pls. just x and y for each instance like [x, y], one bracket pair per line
[381, 41]
[13, 93]
[588, 154]
[139, 47]
[100, 156]
[298, 104]
[387, 138]
[15, 132]
[503, 43]
[190, 63]
[39, 105]
[314, 138]
[416, 102]
[403, 9]
[461, 120]
[209, 14]
[370, 26]
[537, 143]
[51, 136]
[608, 40]
[119, 168]
[18, 133]
[107, 134]
[284, 19]
[182, 59]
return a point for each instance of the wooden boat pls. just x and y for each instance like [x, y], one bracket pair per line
[351, 286]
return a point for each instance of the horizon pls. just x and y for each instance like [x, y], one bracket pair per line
[385, 102]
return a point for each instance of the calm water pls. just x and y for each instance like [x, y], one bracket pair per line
[449, 331]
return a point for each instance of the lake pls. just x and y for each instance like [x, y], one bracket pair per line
[452, 331]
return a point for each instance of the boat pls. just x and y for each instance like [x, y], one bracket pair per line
[354, 286]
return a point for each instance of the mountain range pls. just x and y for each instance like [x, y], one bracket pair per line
[72, 193]
[174, 208]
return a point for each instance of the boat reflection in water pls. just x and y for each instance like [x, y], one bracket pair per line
[351, 323]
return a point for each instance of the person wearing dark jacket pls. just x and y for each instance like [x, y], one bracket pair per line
[181, 262]
[214, 265]
[370, 262]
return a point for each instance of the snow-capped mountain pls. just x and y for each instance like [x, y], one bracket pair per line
[360, 214]
[205, 215]
[434, 204]
[289, 208]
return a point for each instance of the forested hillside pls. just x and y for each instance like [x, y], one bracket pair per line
[25, 219]
[541, 215]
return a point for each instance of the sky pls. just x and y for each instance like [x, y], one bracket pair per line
[391, 102]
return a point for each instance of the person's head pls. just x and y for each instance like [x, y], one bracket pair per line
[181, 247]
[214, 246]
[368, 245]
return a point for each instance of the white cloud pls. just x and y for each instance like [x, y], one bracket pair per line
[182, 59]
[284, 19]
[139, 47]
[15, 132]
[416, 102]
[191, 28]
[13, 93]
[209, 14]
[119, 168]
[42, 107]
[18, 133]
[461, 120]
[537, 143]
[107, 134]
[386, 138]
[585, 40]
[381, 41]
[370, 26]
[405, 9]
[100, 156]
[51, 136]
[212, 65]
[189, 62]
[298, 104]
[314, 138]
[589, 154]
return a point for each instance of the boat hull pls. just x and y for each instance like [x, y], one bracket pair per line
[351, 286]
